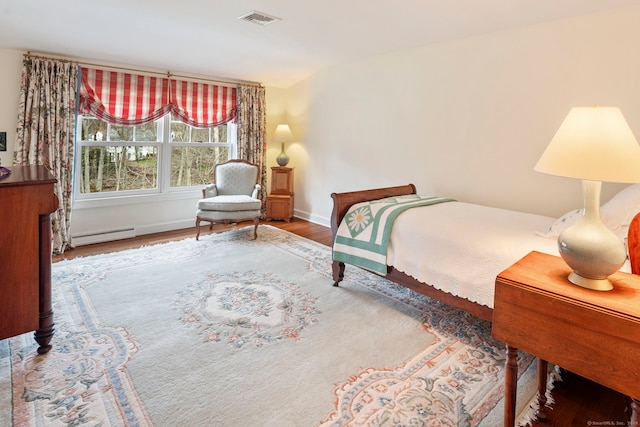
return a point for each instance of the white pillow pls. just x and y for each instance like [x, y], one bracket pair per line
[561, 223]
[618, 212]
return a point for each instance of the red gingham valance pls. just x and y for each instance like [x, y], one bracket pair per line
[123, 99]
[127, 99]
[202, 105]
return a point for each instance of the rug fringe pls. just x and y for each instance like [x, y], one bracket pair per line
[528, 415]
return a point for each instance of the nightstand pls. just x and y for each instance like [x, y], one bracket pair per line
[595, 334]
[280, 200]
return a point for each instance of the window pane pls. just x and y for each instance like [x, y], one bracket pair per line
[179, 132]
[147, 132]
[113, 168]
[117, 168]
[194, 165]
[120, 133]
[93, 129]
[199, 135]
[219, 134]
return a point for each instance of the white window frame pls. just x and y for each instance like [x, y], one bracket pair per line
[163, 191]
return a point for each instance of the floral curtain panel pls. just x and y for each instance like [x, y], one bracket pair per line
[45, 132]
[252, 130]
[128, 99]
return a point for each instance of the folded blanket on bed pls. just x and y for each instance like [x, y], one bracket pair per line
[363, 234]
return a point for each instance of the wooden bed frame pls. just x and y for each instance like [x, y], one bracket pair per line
[343, 201]
[341, 204]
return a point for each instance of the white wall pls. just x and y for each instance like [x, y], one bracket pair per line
[276, 114]
[10, 71]
[466, 119]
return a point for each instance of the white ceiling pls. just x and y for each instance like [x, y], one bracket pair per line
[206, 37]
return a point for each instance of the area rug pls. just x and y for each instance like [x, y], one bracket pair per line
[230, 331]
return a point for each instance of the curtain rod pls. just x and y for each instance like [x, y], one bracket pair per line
[168, 74]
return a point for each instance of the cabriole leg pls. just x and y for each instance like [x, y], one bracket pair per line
[338, 272]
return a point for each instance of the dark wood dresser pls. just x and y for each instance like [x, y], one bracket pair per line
[27, 200]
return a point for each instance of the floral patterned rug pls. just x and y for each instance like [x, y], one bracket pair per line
[234, 332]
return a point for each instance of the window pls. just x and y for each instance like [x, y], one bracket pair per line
[158, 157]
[144, 134]
[195, 151]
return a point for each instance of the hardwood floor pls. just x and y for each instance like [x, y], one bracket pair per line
[578, 402]
[303, 228]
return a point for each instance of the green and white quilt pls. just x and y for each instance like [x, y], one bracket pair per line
[363, 234]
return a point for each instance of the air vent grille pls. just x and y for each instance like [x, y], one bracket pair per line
[259, 18]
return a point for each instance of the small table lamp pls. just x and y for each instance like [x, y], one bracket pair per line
[283, 134]
[594, 144]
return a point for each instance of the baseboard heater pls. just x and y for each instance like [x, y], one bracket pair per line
[103, 236]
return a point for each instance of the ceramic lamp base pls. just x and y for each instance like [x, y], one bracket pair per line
[591, 250]
[283, 158]
[594, 284]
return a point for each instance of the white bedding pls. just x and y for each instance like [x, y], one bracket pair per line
[460, 248]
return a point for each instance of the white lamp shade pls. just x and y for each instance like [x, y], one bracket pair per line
[283, 134]
[593, 143]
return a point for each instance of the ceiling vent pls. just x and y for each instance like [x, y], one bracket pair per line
[259, 18]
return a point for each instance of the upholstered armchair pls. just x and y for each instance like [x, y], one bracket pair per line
[233, 197]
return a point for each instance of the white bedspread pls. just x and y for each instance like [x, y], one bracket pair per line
[460, 248]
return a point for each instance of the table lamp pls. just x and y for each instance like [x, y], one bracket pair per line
[283, 134]
[593, 144]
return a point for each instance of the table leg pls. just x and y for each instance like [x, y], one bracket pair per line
[45, 323]
[541, 413]
[510, 386]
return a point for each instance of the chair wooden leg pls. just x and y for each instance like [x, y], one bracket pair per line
[256, 221]
[198, 228]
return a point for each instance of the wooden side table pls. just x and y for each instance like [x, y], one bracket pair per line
[281, 199]
[595, 334]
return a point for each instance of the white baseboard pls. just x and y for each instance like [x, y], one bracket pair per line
[165, 226]
[312, 218]
[103, 236]
[128, 232]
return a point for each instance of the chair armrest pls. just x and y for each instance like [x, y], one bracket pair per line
[256, 192]
[209, 191]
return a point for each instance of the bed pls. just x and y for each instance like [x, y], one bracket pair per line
[452, 251]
